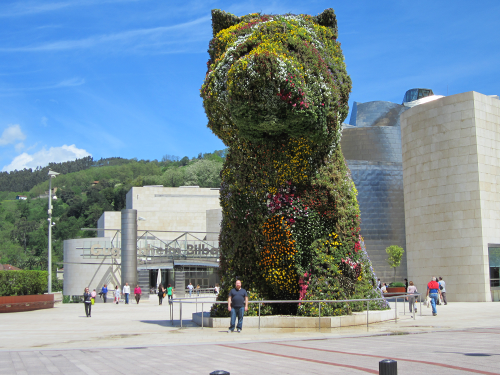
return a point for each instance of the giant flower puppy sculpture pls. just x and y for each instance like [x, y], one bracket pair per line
[276, 93]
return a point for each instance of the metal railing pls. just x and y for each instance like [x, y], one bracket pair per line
[403, 296]
[200, 291]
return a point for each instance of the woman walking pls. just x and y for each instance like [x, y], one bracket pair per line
[160, 294]
[117, 294]
[412, 290]
[87, 301]
[137, 293]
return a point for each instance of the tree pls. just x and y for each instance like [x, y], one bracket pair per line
[394, 259]
[204, 173]
[184, 161]
[173, 177]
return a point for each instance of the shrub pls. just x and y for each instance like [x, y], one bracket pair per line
[396, 284]
[21, 283]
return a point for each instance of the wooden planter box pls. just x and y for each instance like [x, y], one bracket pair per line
[26, 303]
[396, 291]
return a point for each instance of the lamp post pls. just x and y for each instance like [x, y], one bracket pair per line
[52, 175]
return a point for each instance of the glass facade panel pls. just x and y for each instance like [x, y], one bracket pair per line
[415, 94]
[494, 261]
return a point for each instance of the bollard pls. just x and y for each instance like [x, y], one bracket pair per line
[220, 372]
[388, 367]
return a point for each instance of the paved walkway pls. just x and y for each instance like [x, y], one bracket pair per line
[139, 339]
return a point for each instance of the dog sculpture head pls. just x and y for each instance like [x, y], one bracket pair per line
[275, 76]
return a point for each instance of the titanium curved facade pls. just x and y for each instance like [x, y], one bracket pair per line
[372, 148]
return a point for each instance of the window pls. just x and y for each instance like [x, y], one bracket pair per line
[494, 260]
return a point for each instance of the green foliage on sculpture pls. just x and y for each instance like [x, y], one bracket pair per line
[276, 93]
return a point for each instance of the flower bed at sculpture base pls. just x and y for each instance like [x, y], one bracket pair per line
[26, 303]
[283, 321]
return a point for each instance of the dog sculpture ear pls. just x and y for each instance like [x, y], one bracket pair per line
[222, 20]
[328, 19]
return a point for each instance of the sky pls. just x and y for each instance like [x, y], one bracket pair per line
[121, 78]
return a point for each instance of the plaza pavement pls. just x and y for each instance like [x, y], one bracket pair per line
[140, 339]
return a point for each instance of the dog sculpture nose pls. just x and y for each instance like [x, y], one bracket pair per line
[268, 96]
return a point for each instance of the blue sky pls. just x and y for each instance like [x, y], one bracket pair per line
[122, 77]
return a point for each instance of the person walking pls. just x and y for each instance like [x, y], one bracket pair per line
[198, 290]
[160, 294]
[117, 294]
[433, 293]
[406, 285]
[379, 284]
[237, 304]
[216, 290]
[412, 291]
[87, 301]
[137, 293]
[442, 288]
[170, 293]
[438, 302]
[126, 292]
[190, 287]
[93, 294]
[104, 293]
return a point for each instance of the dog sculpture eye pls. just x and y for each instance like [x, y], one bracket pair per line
[276, 93]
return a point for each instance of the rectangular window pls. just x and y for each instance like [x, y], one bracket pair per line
[494, 260]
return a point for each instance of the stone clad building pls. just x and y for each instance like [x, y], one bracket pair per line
[176, 232]
[451, 173]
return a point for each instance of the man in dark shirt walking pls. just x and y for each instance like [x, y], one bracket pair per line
[237, 304]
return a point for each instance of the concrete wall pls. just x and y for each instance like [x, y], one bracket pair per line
[487, 123]
[109, 220]
[86, 271]
[173, 209]
[214, 219]
[450, 171]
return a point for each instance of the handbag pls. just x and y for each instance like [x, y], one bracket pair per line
[164, 295]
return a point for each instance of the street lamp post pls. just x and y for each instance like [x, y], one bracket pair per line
[52, 175]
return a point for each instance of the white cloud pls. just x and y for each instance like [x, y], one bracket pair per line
[44, 121]
[12, 134]
[44, 157]
[19, 146]
[71, 82]
[32, 7]
[141, 37]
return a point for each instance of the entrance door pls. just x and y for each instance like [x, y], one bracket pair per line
[494, 260]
